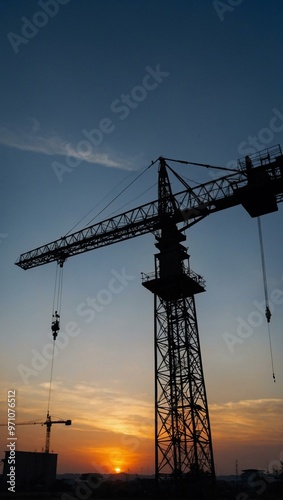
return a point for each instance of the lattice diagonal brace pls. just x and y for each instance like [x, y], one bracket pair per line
[183, 435]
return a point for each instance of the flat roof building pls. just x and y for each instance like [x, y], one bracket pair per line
[26, 470]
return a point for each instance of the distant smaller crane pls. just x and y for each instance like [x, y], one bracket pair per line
[48, 422]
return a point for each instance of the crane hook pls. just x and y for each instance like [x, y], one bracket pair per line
[55, 327]
[267, 314]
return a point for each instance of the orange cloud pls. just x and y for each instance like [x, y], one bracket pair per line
[249, 432]
[247, 421]
[111, 428]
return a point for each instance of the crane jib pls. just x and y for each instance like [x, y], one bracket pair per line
[258, 189]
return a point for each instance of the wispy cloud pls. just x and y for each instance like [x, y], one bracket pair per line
[103, 408]
[248, 421]
[116, 428]
[52, 144]
[93, 408]
[110, 428]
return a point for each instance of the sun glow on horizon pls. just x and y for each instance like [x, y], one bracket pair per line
[117, 470]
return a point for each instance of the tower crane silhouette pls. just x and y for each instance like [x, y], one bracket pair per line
[48, 422]
[183, 443]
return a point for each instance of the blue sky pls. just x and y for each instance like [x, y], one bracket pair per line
[199, 81]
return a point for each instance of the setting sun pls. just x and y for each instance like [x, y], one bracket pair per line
[117, 469]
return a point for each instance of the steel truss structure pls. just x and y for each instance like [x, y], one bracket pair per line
[183, 435]
[191, 205]
[183, 442]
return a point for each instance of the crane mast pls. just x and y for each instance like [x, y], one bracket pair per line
[183, 444]
[49, 422]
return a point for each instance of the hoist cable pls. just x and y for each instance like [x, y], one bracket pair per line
[57, 298]
[263, 262]
[55, 291]
[267, 310]
[60, 288]
[55, 327]
[51, 376]
[271, 354]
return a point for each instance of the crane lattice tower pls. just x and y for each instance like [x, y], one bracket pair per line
[182, 434]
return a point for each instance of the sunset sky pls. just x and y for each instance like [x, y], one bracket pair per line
[91, 93]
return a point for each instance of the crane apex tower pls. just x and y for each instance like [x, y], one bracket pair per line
[183, 444]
